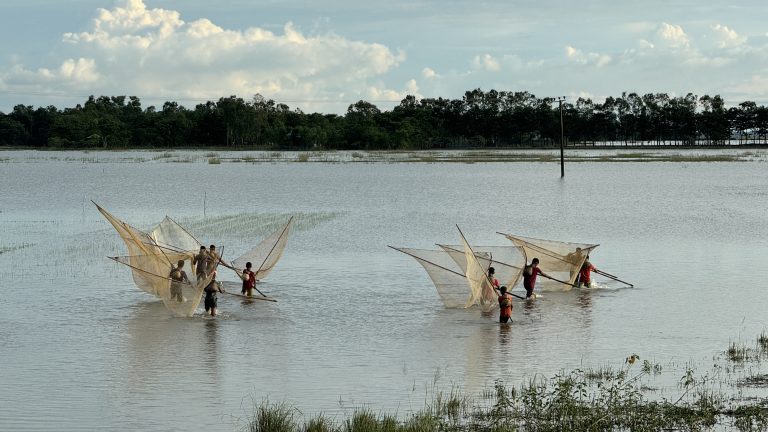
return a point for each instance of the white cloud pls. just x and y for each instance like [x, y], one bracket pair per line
[429, 73]
[486, 62]
[727, 37]
[412, 87]
[596, 59]
[132, 49]
[673, 35]
[76, 74]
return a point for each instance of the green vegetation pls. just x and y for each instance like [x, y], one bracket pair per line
[214, 161]
[605, 399]
[478, 120]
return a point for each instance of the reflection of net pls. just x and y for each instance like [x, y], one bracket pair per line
[561, 260]
[451, 285]
[265, 255]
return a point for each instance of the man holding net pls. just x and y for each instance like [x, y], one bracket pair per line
[530, 272]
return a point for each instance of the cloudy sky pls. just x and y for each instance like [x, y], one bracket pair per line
[323, 56]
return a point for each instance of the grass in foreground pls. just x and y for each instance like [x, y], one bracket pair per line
[568, 402]
[605, 399]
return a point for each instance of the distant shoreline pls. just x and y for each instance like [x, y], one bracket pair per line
[537, 155]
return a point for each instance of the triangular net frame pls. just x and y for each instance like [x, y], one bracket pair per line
[151, 256]
[169, 234]
[482, 290]
[264, 256]
[560, 260]
[152, 273]
[141, 245]
[449, 281]
[507, 261]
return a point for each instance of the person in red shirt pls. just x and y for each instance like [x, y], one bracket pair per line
[585, 274]
[505, 305]
[249, 280]
[530, 272]
[494, 281]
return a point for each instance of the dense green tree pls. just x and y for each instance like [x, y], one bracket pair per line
[479, 119]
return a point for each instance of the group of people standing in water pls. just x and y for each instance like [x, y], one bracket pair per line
[530, 273]
[204, 264]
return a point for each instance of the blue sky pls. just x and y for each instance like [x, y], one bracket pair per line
[323, 56]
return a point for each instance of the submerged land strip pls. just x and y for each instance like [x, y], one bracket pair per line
[428, 156]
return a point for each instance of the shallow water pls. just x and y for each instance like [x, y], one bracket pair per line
[357, 323]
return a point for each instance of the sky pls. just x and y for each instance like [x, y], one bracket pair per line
[322, 56]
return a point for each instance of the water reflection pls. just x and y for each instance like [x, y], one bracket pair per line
[211, 345]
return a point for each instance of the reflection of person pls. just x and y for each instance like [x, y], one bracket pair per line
[200, 261]
[211, 300]
[178, 276]
[249, 280]
[505, 305]
[530, 272]
[585, 274]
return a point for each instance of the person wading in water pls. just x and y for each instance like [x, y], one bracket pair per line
[505, 305]
[529, 277]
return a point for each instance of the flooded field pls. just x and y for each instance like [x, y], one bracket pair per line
[358, 324]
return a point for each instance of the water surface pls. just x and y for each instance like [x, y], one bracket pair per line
[357, 324]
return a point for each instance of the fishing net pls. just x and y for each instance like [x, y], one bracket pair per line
[170, 235]
[483, 293]
[560, 260]
[266, 254]
[152, 256]
[450, 282]
[507, 261]
[151, 273]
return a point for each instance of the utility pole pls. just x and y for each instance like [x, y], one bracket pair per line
[562, 137]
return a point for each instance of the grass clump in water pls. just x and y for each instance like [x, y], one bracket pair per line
[302, 157]
[762, 342]
[214, 161]
[268, 417]
[320, 423]
[737, 353]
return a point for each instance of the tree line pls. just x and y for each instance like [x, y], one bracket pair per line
[480, 119]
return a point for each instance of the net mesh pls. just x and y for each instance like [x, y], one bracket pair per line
[560, 260]
[169, 234]
[151, 273]
[482, 290]
[266, 254]
[139, 244]
[507, 261]
[450, 283]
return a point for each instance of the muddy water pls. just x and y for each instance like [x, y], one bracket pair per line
[357, 324]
